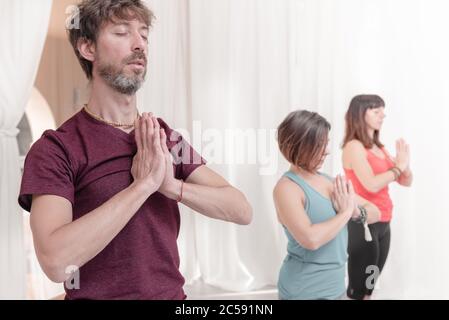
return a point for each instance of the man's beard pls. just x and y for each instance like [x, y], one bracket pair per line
[118, 80]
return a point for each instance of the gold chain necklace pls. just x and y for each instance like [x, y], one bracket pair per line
[114, 124]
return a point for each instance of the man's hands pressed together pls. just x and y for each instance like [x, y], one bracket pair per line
[153, 165]
[149, 165]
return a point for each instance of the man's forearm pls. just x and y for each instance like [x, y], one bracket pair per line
[224, 203]
[81, 240]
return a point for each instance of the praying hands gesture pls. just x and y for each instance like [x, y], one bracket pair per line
[153, 164]
[343, 196]
[149, 163]
[402, 161]
[203, 191]
[402, 155]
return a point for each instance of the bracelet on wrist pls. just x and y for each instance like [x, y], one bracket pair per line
[396, 171]
[180, 194]
[362, 218]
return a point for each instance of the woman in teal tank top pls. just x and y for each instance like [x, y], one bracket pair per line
[314, 210]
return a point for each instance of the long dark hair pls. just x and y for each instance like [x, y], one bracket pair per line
[355, 120]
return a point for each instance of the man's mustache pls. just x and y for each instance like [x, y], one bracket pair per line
[136, 56]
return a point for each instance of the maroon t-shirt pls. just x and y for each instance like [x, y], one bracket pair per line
[87, 162]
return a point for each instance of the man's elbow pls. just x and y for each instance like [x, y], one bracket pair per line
[244, 214]
[242, 211]
[53, 269]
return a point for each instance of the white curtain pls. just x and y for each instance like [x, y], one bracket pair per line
[39, 287]
[23, 27]
[215, 66]
[236, 64]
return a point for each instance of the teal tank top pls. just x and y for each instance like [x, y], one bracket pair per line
[314, 274]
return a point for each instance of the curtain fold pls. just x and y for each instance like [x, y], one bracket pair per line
[23, 28]
[212, 66]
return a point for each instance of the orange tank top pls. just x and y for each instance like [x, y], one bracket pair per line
[381, 198]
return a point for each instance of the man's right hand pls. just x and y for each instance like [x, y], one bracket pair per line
[148, 168]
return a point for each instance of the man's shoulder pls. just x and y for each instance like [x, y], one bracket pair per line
[59, 138]
[71, 124]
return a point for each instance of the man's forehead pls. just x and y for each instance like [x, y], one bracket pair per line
[120, 22]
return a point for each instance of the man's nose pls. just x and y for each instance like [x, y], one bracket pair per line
[139, 44]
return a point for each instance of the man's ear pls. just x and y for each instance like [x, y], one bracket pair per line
[87, 49]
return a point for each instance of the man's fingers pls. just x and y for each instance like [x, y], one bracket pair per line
[155, 123]
[144, 131]
[150, 129]
[157, 134]
[157, 127]
[137, 134]
[164, 141]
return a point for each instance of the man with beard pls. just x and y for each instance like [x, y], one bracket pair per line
[103, 189]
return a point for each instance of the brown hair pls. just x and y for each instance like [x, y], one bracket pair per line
[92, 14]
[355, 120]
[302, 138]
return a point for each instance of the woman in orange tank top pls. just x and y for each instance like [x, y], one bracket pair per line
[371, 169]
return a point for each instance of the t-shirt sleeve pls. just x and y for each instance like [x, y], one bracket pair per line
[185, 158]
[47, 170]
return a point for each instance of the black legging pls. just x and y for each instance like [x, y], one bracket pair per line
[363, 254]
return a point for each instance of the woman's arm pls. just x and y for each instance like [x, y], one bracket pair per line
[406, 178]
[289, 202]
[372, 210]
[354, 157]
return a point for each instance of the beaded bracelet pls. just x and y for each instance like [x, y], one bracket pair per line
[396, 171]
[363, 219]
[363, 215]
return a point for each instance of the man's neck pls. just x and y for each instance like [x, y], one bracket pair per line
[111, 105]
